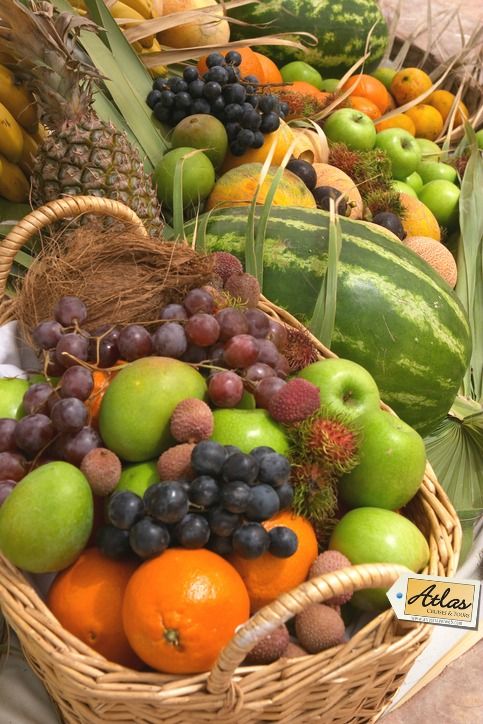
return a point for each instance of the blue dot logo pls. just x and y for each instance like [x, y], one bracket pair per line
[399, 595]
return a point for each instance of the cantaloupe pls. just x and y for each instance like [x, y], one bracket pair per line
[418, 220]
[311, 145]
[436, 254]
[237, 187]
[328, 175]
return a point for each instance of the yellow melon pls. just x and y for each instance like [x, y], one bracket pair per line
[436, 254]
[282, 138]
[418, 220]
[311, 146]
[199, 32]
[237, 187]
[328, 175]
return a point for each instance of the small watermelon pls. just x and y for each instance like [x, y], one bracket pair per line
[395, 315]
[341, 28]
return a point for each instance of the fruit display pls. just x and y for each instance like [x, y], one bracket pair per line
[375, 269]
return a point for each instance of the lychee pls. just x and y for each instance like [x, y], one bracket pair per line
[270, 648]
[226, 264]
[299, 350]
[327, 562]
[102, 469]
[295, 401]
[175, 463]
[245, 288]
[293, 651]
[191, 421]
[318, 627]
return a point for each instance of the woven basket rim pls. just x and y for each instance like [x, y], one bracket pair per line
[42, 636]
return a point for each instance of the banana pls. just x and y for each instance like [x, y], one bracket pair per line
[143, 7]
[157, 9]
[11, 138]
[157, 70]
[121, 11]
[40, 134]
[13, 182]
[30, 148]
[17, 99]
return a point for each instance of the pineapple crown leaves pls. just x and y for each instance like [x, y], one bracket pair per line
[42, 45]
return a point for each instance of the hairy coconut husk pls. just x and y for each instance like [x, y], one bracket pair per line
[122, 277]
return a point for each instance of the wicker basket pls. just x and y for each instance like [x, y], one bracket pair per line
[353, 682]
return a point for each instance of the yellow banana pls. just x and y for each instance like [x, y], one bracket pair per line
[156, 48]
[143, 7]
[11, 138]
[121, 11]
[157, 9]
[29, 152]
[40, 133]
[13, 182]
[17, 99]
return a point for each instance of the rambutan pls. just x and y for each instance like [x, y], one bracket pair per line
[315, 495]
[379, 201]
[331, 439]
[295, 401]
[226, 264]
[299, 350]
[300, 105]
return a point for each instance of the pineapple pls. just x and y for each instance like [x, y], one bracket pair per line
[83, 154]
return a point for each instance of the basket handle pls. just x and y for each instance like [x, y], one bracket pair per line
[268, 618]
[70, 206]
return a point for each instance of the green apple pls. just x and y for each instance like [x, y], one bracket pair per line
[432, 170]
[298, 70]
[385, 75]
[345, 386]
[351, 127]
[403, 188]
[248, 429]
[329, 85]
[391, 464]
[402, 149]
[137, 477]
[479, 138]
[430, 151]
[12, 391]
[138, 404]
[198, 176]
[375, 535]
[415, 181]
[442, 198]
[46, 520]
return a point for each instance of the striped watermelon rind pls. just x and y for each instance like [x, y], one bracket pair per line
[395, 315]
[341, 28]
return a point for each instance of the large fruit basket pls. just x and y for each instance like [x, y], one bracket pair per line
[352, 682]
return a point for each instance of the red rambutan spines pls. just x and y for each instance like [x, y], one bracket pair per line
[299, 350]
[330, 439]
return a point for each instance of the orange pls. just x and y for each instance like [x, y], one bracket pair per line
[428, 121]
[86, 598]
[442, 100]
[102, 379]
[282, 138]
[182, 607]
[267, 577]
[408, 84]
[271, 73]
[365, 106]
[250, 64]
[392, 104]
[418, 220]
[400, 120]
[369, 87]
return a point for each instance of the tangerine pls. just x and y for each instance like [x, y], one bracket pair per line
[443, 101]
[427, 120]
[86, 598]
[182, 607]
[102, 379]
[400, 120]
[365, 106]
[250, 64]
[270, 70]
[366, 86]
[267, 577]
[418, 220]
[408, 84]
[282, 138]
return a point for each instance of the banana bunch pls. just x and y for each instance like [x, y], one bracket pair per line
[20, 135]
[140, 10]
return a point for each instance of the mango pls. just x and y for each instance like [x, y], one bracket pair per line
[138, 404]
[46, 520]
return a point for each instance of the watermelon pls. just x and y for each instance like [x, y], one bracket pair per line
[395, 315]
[341, 27]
